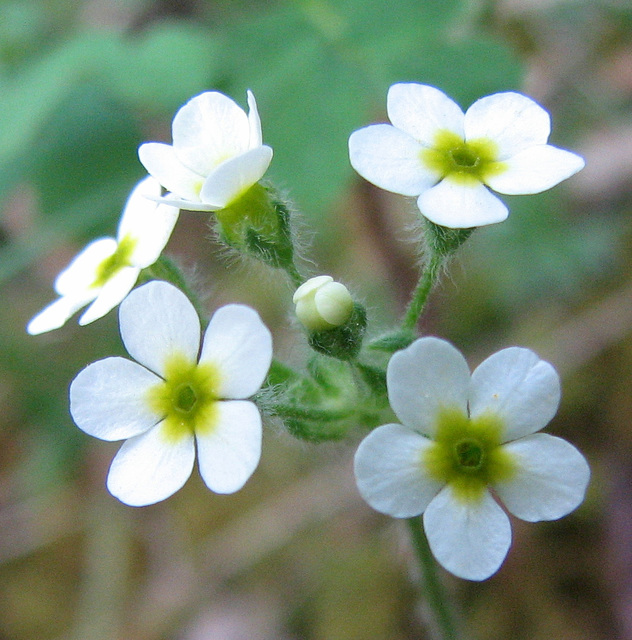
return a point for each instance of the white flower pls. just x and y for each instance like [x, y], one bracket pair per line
[171, 400]
[462, 435]
[217, 153]
[322, 304]
[107, 269]
[448, 159]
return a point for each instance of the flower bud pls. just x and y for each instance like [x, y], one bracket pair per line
[322, 304]
[335, 324]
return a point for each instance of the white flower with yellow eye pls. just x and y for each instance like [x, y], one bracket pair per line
[448, 159]
[217, 153]
[172, 400]
[462, 435]
[107, 269]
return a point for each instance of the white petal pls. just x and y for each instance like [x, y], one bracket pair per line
[150, 224]
[149, 468]
[389, 159]
[423, 378]
[422, 111]
[111, 294]
[158, 321]
[172, 200]
[517, 386]
[108, 399]
[208, 130]
[309, 286]
[139, 207]
[233, 177]
[513, 121]
[155, 235]
[230, 452]
[461, 206]
[550, 481]
[536, 169]
[389, 472]
[55, 314]
[81, 273]
[470, 539]
[256, 138]
[161, 162]
[240, 345]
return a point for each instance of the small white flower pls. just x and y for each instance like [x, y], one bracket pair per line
[322, 304]
[217, 153]
[447, 158]
[107, 269]
[171, 400]
[462, 435]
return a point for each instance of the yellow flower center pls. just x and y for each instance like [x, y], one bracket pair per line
[467, 454]
[465, 162]
[118, 260]
[187, 398]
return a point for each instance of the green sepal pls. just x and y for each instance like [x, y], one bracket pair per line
[374, 378]
[444, 241]
[258, 224]
[325, 404]
[343, 342]
[392, 342]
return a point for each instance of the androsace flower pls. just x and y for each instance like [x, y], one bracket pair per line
[171, 400]
[216, 156]
[107, 269]
[462, 435]
[448, 159]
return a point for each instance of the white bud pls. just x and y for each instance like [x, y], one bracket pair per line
[322, 304]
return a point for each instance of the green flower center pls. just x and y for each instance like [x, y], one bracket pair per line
[467, 454]
[187, 398]
[118, 260]
[465, 162]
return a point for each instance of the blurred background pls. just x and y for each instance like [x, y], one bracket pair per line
[297, 555]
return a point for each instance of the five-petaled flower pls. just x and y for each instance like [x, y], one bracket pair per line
[107, 269]
[447, 158]
[461, 435]
[171, 400]
[216, 156]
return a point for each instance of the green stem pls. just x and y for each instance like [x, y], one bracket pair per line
[295, 277]
[434, 592]
[420, 296]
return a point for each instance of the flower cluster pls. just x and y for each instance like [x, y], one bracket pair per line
[462, 435]
[463, 439]
[447, 159]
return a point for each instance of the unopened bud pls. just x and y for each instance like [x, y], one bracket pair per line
[322, 304]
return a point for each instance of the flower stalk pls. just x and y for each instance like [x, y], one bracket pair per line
[445, 621]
